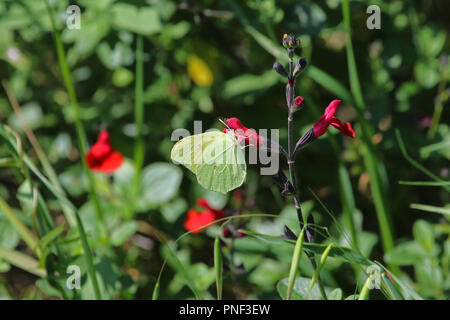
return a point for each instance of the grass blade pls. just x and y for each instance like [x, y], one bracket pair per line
[428, 208]
[425, 183]
[81, 134]
[396, 295]
[323, 259]
[176, 264]
[417, 164]
[139, 148]
[22, 261]
[218, 266]
[294, 264]
[364, 294]
[373, 165]
[27, 236]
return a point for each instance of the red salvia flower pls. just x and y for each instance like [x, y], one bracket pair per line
[328, 119]
[203, 203]
[196, 221]
[249, 136]
[102, 157]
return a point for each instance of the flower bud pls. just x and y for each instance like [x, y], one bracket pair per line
[278, 67]
[288, 234]
[300, 66]
[298, 102]
[290, 95]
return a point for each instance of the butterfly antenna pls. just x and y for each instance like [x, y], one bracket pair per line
[224, 123]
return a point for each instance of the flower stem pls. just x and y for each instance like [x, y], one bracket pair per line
[291, 165]
[81, 134]
[139, 148]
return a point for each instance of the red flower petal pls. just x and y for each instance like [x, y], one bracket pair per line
[331, 109]
[111, 163]
[195, 221]
[345, 128]
[102, 157]
[320, 127]
[250, 137]
[203, 203]
[235, 123]
[103, 136]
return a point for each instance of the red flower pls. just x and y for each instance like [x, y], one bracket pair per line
[249, 136]
[196, 221]
[328, 118]
[102, 157]
[202, 203]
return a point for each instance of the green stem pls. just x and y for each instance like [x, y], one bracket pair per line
[370, 158]
[364, 294]
[139, 148]
[438, 107]
[291, 165]
[81, 134]
[88, 257]
[82, 144]
[218, 266]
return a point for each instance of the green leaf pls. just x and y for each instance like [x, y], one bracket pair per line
[426, 74]
[406, 253]
[307, 17]
[9, 235]
[216, 158]
[180, 268]
[144, 20]
[336, 294]
[49, 237]
[22, 261]
[121, 234]
[423, 233]
[247, 83]
[430, 41]
[300, 289]
[160, 182]
[122, 77]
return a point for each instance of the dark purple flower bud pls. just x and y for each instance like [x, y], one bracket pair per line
[300, 66]
[278, 67]
[288, 234]
[283, 183]
[290, 94]
[307, 138]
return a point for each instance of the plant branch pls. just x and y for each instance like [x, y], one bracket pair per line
[291, 165]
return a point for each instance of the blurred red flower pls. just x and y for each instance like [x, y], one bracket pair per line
[102, 157]
[196, 221]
